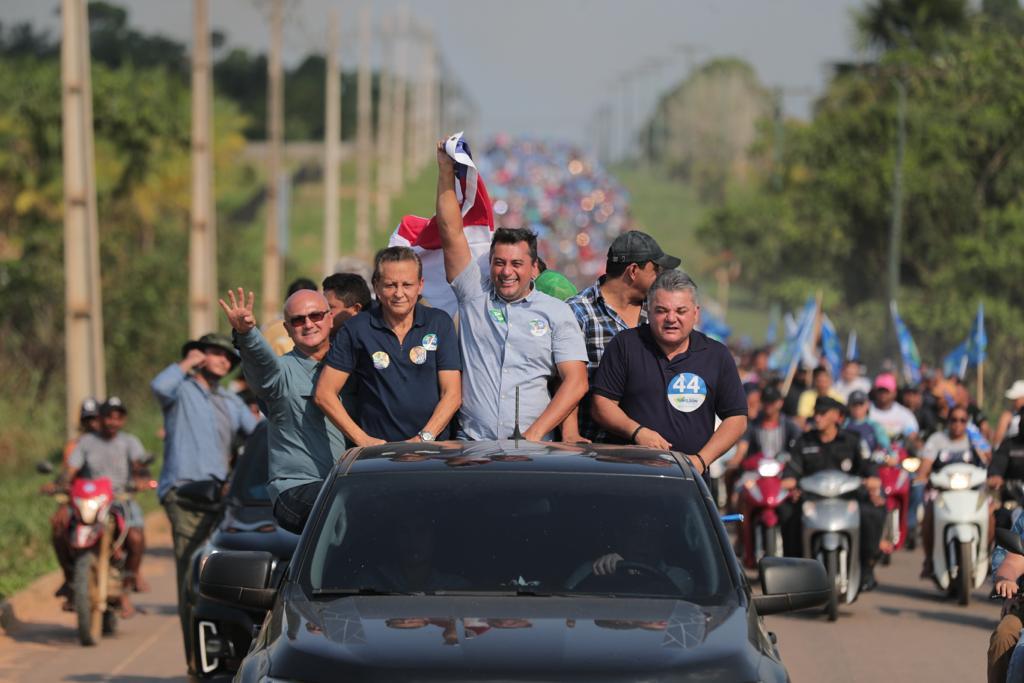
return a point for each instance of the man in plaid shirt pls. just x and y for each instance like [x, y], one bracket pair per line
[614, 303]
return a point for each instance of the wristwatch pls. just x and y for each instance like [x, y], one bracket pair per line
[426, 436]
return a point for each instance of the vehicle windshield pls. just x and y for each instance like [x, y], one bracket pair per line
[249, 478]
[517, 533]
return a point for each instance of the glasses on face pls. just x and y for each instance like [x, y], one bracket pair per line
[314, 317]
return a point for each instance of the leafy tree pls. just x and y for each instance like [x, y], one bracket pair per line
[890, 24]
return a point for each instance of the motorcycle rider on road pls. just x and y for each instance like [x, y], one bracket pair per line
[827, 447]
[1007, 568]
[116, 455]
[942, 448]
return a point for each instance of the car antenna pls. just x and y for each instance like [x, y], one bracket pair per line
[516, 434]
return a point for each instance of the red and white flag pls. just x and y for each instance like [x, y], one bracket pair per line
[478, 223]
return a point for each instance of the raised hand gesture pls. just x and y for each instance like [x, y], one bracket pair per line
[239, 311]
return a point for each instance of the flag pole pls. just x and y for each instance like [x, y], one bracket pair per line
[791, 373]
[981, 383]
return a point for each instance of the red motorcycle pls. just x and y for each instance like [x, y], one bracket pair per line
[760, 494]
[897, 475]
[97, 533]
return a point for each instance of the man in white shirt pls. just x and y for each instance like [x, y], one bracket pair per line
[850, 380]
[896, 419]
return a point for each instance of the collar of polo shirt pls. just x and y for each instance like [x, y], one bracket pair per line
[698, 340]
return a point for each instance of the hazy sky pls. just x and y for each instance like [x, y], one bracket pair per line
[543, 67]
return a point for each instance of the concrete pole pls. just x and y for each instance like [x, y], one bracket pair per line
[271, 299]
[414, 112]
[95, 281]
[398, 128]
[385, 105]
[202, 249]
[85, 370]
[364, 122]
[332, 143]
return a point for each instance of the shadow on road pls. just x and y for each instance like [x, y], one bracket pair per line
[961, 618]
[106, 678]
[42, 633]
[160, 551]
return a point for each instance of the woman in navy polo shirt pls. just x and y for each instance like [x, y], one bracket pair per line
[662, 384]
[405, 356]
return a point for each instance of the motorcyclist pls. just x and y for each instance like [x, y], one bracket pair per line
[1007, 464]
[950, 445]
[118, 456]
[871, 433]
[827, 447]
[88, 423]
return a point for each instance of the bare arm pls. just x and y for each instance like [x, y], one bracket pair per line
[326, 398]
[571, 428]
[1001, 428]
[1006, 578]
[613, 418]
[457, 255]
[724, 438]
[450, 385]
[570, 392]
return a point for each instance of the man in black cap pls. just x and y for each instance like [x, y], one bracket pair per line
[201, 419]
[614, 303]
[828, 447]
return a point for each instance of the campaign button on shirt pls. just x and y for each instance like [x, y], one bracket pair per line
[687, 392]
[430, 342]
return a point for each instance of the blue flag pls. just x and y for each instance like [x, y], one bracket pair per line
[977, 342]
[955, 362]
[830, 346]
[908, 349]
[713, 327]
[852, 352]
[788, 353]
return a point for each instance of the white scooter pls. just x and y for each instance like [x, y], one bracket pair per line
[831, 532]
[960, 555]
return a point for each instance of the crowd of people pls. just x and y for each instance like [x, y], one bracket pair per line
[352, 363]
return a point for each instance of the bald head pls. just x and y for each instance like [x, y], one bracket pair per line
[308, 320]
[298, 303]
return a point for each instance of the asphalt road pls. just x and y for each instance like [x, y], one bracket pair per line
[905, 631]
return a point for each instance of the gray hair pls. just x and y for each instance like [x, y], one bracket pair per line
[673, 281]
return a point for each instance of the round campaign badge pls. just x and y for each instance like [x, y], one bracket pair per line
[430, 342]
[687, 392]
[418, 355]
[538, 328]
[381, 360]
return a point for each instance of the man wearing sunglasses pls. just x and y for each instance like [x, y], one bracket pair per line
[302, 443]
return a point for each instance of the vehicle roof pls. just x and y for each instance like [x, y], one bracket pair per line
[517, 456]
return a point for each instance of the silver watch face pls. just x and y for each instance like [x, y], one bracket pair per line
[426, 436]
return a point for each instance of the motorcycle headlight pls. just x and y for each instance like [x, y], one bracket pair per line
[809, 507]
[769, 468]
[959, 481]
[912, 464]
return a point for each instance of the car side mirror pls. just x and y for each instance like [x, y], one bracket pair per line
[202, 495]
[1009, 540]
[239, 577]
[790, 583]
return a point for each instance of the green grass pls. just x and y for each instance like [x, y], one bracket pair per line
[671, 212]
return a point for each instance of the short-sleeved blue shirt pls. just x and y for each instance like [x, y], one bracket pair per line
[677, 398]
[398, 382]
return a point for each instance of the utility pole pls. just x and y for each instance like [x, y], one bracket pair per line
[364, 113]
[896, 225]
[271, 300]
[398, 111]
[202, 243]
[332, 143]
[385, 105]
[83, 322]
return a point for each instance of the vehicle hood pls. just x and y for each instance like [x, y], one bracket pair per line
[511, 638]
[253, 527]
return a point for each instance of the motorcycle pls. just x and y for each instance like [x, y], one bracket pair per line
[96, 534]
[760, 494]
[896, 483]
[831, 532]
[716, 485]
[960, 555]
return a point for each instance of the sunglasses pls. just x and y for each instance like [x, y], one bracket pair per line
[958, 419]
[314, 317]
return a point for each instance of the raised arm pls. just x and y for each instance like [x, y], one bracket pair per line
[457, 255]
[260, 364]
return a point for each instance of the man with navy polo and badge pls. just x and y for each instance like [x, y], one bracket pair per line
[513, 336]
[405, 356]
[663, 383]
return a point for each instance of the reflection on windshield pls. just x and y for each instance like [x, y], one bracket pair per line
[517, 534]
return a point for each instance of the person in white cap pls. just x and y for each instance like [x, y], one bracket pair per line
[1008, 425]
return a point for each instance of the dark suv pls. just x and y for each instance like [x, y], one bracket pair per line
[512, 561]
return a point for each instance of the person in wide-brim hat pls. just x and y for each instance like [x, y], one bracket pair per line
[214, 340]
